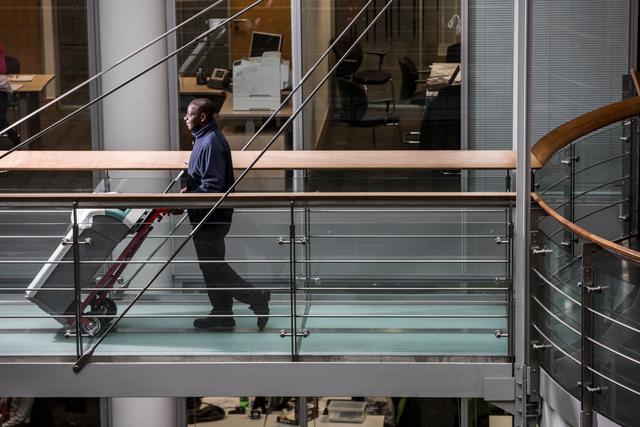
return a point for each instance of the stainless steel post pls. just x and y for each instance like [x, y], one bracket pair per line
[587, 387]
[76, 280]
[292, 282]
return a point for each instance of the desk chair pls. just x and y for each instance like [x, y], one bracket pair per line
[454, 52]
[440, 127]
[6, 100]
[350, 67]
[413, 87]
[413, 91]
[440, 130]
[353, 108]
[13, 65]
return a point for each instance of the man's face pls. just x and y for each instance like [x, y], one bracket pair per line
[193, 119]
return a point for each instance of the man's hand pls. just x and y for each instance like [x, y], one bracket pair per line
[178, 211]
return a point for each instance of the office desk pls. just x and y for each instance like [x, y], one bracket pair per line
[188, 86]
[241, 420]
[227, 113]
[29, 94]
[441, 73]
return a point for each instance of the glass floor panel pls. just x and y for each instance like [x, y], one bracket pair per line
[469, 332]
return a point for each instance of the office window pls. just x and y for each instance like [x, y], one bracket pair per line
[45, 42]
[578, 61]
[490, 97]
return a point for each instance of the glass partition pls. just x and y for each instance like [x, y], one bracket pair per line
[427, 282]
[45, 51]
[340, 279]
[616, 324]
[399, 88]
[556, 307]
[588, 183]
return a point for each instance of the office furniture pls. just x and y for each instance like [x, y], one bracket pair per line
[250, 118]
[443, 74]
[6, 100]
[13, 65]
[242, 420]
[348, 69]
[412, 89]
[440, 127]
[454, 52]
[353, 108]
[188, 86]
[29, 93]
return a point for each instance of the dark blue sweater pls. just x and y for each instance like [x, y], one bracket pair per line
[210, 169]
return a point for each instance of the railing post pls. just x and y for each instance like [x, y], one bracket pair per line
[292, 281]
[586, 333]
[569, 190]
[630, 187]
[76, 281]
[535, 261]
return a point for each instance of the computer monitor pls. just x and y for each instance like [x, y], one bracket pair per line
[264, 42]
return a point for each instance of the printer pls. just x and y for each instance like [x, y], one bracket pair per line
[257, 82]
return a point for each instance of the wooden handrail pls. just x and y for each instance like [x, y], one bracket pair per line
[620, 250]
[636, 80]
[563, 135]
[324, 159]
[175, 199]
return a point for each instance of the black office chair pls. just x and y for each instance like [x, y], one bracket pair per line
[351, 64]
[440, 127]
[350, 67]
[6, 101]
[454, 52]
[440, 130]
[13, 65]
[353, 108]
[413, 88]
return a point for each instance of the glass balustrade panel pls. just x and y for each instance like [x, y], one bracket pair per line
[616, 323]
[405, 281]
[556, 311]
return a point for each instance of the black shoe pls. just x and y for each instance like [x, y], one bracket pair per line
[215, 322]
[262, 307]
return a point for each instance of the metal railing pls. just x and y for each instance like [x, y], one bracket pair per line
[370, 291]
[585, 266]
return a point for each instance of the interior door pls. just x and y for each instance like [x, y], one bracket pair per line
[271, 16]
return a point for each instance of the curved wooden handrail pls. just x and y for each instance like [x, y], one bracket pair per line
[636, 80]
[324, 159]
[563, 135]
[620, 250]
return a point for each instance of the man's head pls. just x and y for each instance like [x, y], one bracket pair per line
[199, 113]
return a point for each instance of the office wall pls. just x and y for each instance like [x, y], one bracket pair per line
[20, 32]
[317, 24]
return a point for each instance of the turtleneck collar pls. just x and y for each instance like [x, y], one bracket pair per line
[204, 129]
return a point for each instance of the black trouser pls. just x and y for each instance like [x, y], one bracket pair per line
[209, 243]
[4, 104]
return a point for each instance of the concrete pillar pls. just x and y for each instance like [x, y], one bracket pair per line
[136, 117]
[143, 412]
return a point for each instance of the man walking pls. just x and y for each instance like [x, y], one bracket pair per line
[211, 171]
